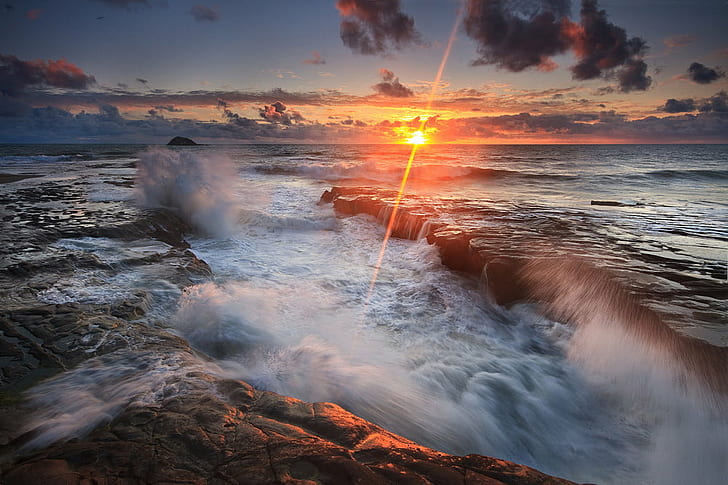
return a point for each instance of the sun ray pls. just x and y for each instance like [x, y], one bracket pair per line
[408, 167]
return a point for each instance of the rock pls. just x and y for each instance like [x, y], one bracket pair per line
[6, 178]
[181, 141]
[240, 435]
[614, 203]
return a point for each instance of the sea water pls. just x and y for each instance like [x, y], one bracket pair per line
[427, 354]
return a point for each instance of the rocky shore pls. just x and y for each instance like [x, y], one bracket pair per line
[194, 426]
[548, 261]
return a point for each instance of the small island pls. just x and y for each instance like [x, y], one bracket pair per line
[181, 141]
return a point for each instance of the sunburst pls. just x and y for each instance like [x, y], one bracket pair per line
[417, 138]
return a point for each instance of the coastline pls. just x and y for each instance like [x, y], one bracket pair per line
[201, 427]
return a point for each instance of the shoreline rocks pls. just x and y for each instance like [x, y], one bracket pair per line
[568, 287]
[200, 427]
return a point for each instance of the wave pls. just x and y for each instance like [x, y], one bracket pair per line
[12, 159]
[199, 187]
[379, 172]
[696, 174]
[624, 344]
[274, 222]
[434, 388]
[76, 402]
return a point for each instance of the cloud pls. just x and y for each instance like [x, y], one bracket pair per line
[17, 75]
[235, 118]
[679, 105]
[33, 14]
[202, 13]
[375, 26]
[633, 76]
[315, 59]
[702, 74]
[677, 41]
[108, 125]
[142, 80]
[596, 127]
[522, 35]
[278, 113]
[124, 3]
[516, 36]
[169, 108]
[195, 98]
[390, 86]
[602, 46]
[718, 103]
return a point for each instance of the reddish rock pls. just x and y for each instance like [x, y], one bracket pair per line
[240, 435]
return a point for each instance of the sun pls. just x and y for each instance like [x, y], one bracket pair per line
[417, 138]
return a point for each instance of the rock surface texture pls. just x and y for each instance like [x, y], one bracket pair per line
[196, 427]
[562, 274]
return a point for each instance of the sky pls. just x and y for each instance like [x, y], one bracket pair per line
[364, 71]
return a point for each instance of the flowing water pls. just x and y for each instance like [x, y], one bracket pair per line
[428, 355]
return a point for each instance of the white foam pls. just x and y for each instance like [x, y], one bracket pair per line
[76, 402]
[199, 186]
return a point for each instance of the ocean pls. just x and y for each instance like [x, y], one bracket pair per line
[608, 365]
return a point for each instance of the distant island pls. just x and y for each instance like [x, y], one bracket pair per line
[181, 141]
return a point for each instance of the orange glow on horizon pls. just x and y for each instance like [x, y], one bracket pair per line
[417, 138]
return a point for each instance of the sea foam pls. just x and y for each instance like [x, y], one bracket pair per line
[200, 187]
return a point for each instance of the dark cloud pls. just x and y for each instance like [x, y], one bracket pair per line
[202, 13]
[516, 36]
[602, 46]
[390, 86]
[703, 74]
[718, 103]
[124, 3]
[521, 35]
[54, 125]
[234, 118]
[278, 113]
[17, 75]
[633, 76]
[315, 59]
[142, 80]
[375, 26]
[679, 105]
[169, 108]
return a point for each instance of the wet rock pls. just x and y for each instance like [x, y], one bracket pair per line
[614, 203]
[245, 436]
[6, 178]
